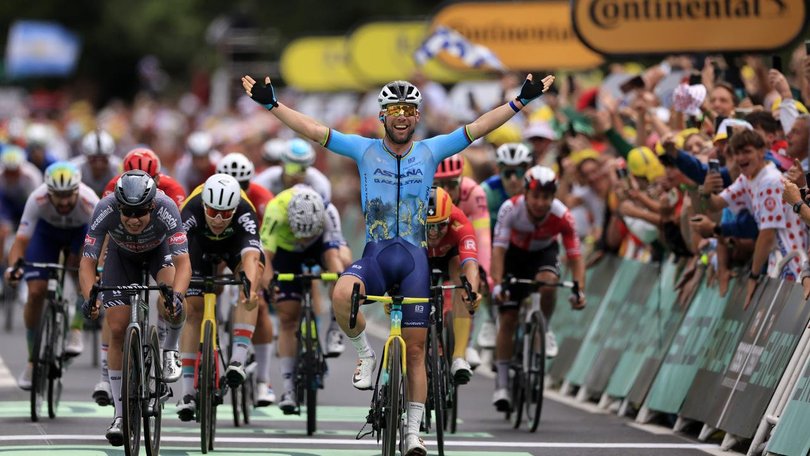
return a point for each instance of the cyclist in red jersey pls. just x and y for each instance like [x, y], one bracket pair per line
[242, 169]
[525, 246]
[146, 160]
[452, 248]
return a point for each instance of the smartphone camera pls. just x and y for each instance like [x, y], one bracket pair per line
[714, 165]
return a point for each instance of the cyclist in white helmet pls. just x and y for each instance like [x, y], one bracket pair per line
[55, 220]
[513, 160]
[297, 159]
[38, 139]
[272, 151]
[18, 178]
[97, 163]
[219, 220]
[199, 161]
[298, 229]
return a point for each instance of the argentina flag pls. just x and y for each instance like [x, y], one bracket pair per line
[445, 39]
[40, 49]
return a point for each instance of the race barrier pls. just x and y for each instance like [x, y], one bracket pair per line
[709, 361]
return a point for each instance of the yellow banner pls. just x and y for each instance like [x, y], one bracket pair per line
[319, 63]
[380, 52]
[523, 35]
[632, 27]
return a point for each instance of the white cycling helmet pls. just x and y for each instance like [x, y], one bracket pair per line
[298, 151]
[399, 92]
[98, 142]
[37, 134]
[540, 178]
[237, 165]
[12, 158]
[62, 176]
[221, 192]
[199, 143]
[513, 154]
[305, 212]
[273, 149]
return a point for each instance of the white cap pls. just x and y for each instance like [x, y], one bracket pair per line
[737, 124]
[539, 129]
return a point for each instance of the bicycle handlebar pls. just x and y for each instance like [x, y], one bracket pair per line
[20, 263]
[572, 284]
[226, 279]
[165, 290]
[289, 276]
[357, 297]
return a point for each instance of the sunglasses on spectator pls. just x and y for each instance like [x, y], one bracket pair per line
[214, 213]
[451, 184]
[438, 226]
[507, 173]
[134, 212]
[400, 110]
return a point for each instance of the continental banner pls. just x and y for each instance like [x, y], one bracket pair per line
[760, 360]
[569, 325]
[623, 282]
[380, 52]
[790, 435]
[688, 349]
[620, 329]
[534, 35]
[699, 404]
[658, 321]
[637, 27]
[318, 63]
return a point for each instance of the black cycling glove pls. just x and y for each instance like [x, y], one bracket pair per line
[265, 95]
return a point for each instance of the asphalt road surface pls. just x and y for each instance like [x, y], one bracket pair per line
[79, 428]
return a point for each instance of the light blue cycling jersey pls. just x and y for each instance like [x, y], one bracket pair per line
[394, 189]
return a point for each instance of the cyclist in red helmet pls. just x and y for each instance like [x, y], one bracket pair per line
[145, 160]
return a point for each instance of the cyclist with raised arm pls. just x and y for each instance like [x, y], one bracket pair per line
[242, 169]
[144, 229]
[453, 248]
[396, 174]
[145, 160]
[219, 220]
[97, 163]
[55, 219]
[525, 246]
[297, 230]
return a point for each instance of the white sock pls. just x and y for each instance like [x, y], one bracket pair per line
[287, 371]
[360, 343]
[105, 375]
[187, 361]
[115, 385]
[263, 354]
[502, 381]
[172, 336]
[162, 328]
[415, 411]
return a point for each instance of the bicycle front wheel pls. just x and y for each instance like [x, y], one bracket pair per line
[535, 353]
[237, 394]
[41, 357]
[152, 407]
[207, 388]
[57, 343]
[394, 403]
[131, 391]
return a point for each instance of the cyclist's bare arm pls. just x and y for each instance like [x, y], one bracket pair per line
[267, 276]
[87, 275]
[182, 273]
[300, 123]
[470, 270]
[17, 249]
[253, 269]
[498, 256]
[577, 266]
[331, 259]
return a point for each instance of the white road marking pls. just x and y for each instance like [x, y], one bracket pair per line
[6, 379]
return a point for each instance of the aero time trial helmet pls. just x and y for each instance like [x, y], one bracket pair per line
[98, 142]
[399, 92]
[62, 176]
[450, 167]
[135, 189]
[540, 178]
[305, 212]
[236, 165]
[142, 159]
[513, 154]
[440, 205]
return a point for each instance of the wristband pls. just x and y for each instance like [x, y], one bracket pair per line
[513, 106]
[753, 276]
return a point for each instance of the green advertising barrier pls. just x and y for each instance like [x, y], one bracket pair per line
[790, 436]
[570, 326]
[687, 351]
[657, 325]
[623, 282]
[760, 360]
[619, 336]
[725, 335]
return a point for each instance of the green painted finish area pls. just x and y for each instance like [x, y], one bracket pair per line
[88, 450]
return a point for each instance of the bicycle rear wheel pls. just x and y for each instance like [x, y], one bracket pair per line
[57, 343]
[437, 386]
[41, 357]
[536, 362]
[207, 388]
[516, 380]
[247, 394]
[152, 406]
[131, 391]
[394, 403]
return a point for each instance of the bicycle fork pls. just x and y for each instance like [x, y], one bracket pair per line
[209, 314]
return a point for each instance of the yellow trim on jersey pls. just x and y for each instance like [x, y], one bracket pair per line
[199, 190]
[481, 223]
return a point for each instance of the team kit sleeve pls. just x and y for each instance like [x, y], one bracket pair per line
[503, 227]
[480, 223]
[169, 215]
[332, 234]
[30, 214]
[104, 217]
[467, 244]
[569, 236]
[248, 226]
[273, 219]
[351, 146]
[443, 146]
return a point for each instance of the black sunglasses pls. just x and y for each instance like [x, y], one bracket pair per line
[134, 212]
